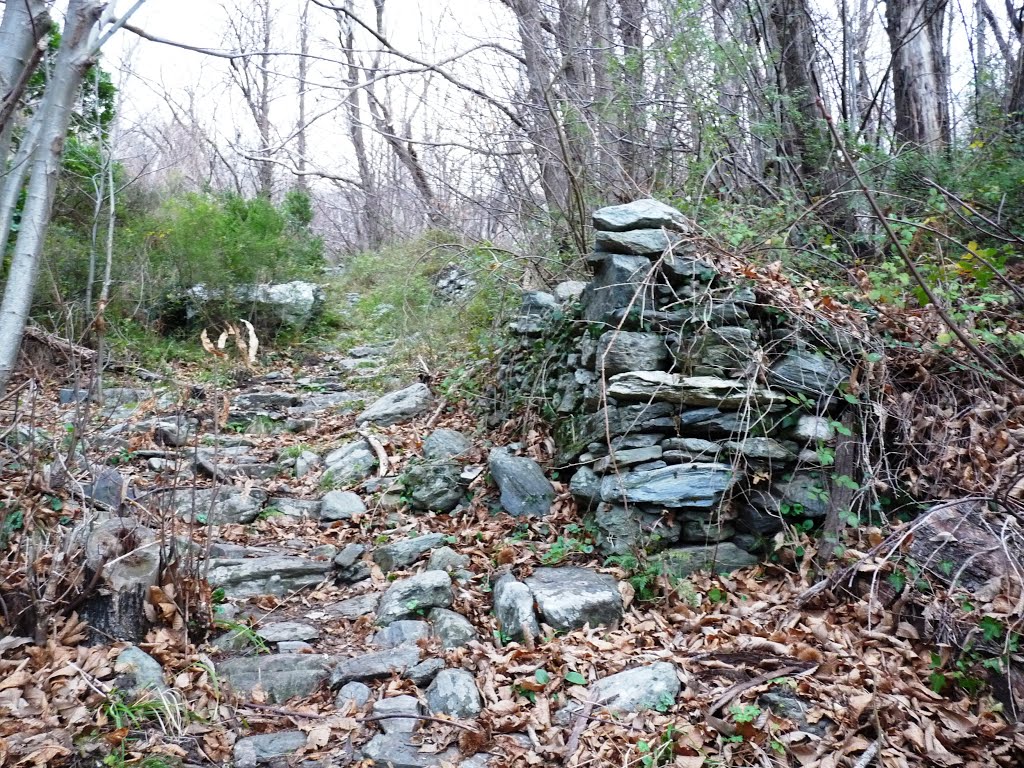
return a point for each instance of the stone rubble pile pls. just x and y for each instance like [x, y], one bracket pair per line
[699, 417]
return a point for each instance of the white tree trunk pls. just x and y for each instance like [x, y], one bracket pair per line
[53, 117]
[24, 24]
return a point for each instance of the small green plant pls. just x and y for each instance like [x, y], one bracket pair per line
[745, 713]
[660, 752]
[243, 633]
[269, 512]
[564, 546]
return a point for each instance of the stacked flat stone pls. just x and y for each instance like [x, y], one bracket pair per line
[680, 445]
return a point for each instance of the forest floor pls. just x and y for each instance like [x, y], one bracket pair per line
[771, 673]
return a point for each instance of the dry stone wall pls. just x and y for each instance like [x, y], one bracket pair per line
[693, 418]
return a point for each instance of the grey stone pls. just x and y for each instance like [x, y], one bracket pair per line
[536, 307]
[281, 631]
[349, 563]
[68, 396]
[648, 386]
[373, 665]
[349, 463]
[623, 419]
[394, 408]
[138, 673]
[681, 270]
[617, 279]
[293, 304]
[434, 486]
[652, 687]
[341, 505]
[294, 646]
[354, 694]
[107, 488]
[646, 213]
[216, 506]
[513, 607]
[305, 463]
[585, 487]
[525, 491]
[394, 750]
[262, 401]
[251, 751]
[785, 703]
[712, 423]
[808, 372]
[454, 693]
[716, 351]
[425, 671]
[680, 485]
[276, 575]
[568, 598]
[621, 531]
[417, 594]
[569, 291]
[282, 676]
[404, 552]
[302, 508]
[811, 429]
[447, 559]
[705, 531]
[622, 351]
[400, 632]
[639, 242]
[628, 456]
[624, 442]
[451, 628]
[114, 396]
[354, 607]
[445, 444]
[398, 714]
[680, 450]
[681, 562]
[759, 448]
[803, 495]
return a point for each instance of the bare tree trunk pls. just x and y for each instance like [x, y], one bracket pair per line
[302, 182]
[920, 72]
[252, 76]
[54, 116]
[808, 144]
[23, 26]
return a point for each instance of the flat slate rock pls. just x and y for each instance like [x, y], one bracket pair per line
[395, 750]
[513, 607]
[369, 666]
[696, 391]
[277, 575]
[252, 751]
[354, 607]
[700, 484]
[404, 552]
[646, 213]
[454, 693]
[282, 676]
[681, 562]
[283, 631]
[639, 242]
[398, 406]
[568, 598]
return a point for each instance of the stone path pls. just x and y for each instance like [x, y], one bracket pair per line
[370, 588]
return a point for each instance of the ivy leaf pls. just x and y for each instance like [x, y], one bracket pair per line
[542, 676]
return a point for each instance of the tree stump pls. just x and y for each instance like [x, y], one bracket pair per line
[123, 558]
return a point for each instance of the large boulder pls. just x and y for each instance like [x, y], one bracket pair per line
[293, 304]
[617, 279]
[525, 491]
[681, 562]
